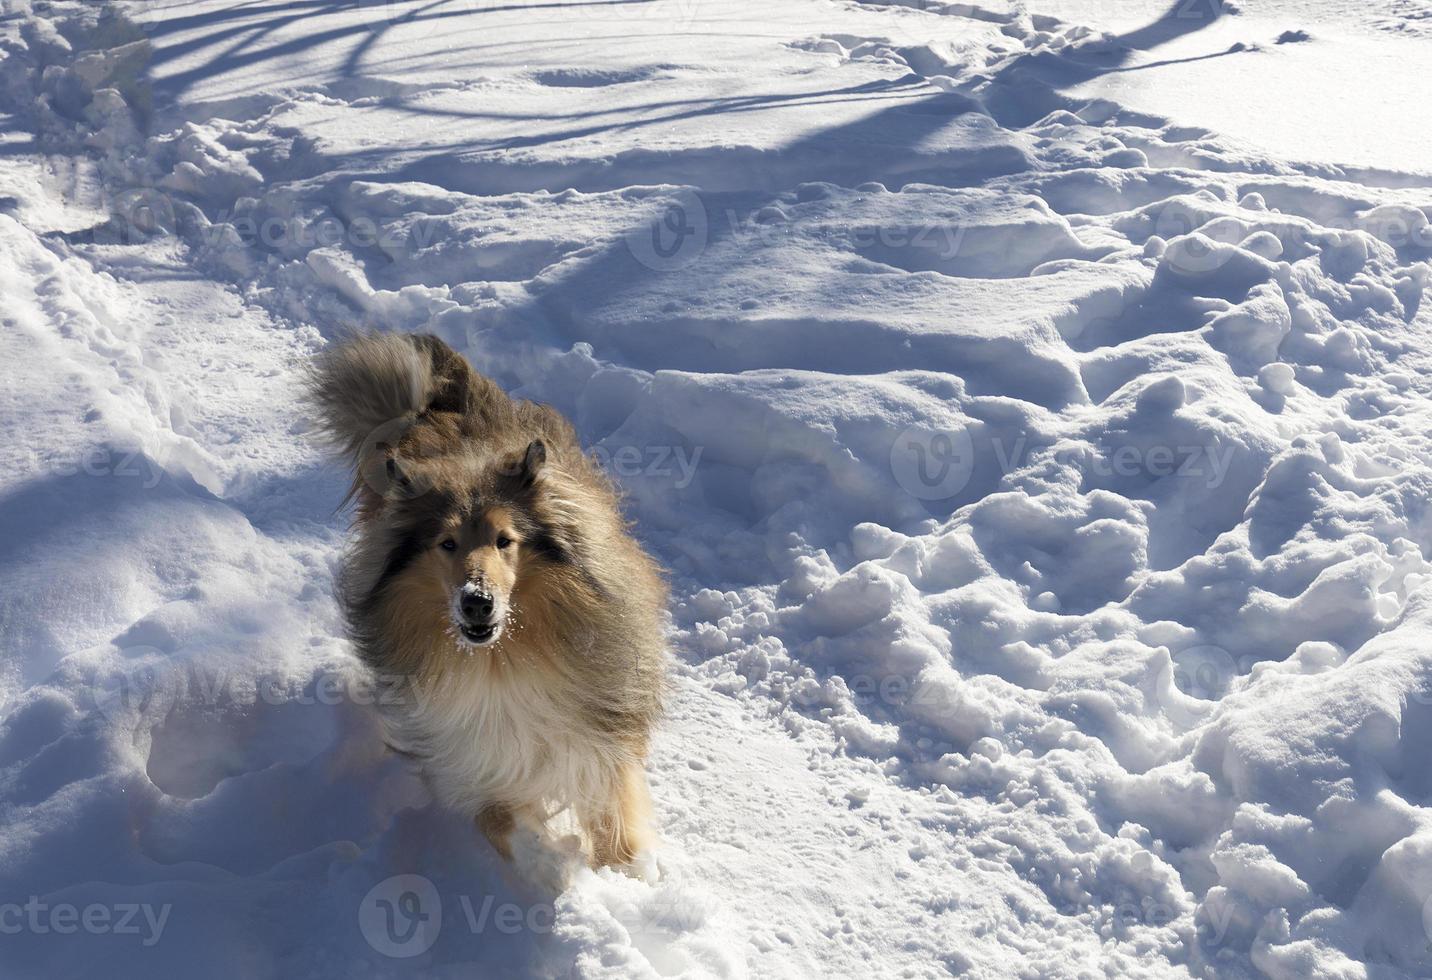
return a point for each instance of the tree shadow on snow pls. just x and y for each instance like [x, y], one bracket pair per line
[245, 26]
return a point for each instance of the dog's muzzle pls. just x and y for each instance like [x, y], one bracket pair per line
[477, 614]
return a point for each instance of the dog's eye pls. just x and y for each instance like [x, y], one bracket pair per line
[503, 541]
[448, 545]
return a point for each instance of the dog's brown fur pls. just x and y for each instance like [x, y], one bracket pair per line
[557, 711]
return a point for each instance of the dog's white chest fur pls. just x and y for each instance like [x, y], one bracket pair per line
[489, 736]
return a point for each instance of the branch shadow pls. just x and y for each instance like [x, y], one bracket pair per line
[1181, 18]
[1033, 84]
[259, 22]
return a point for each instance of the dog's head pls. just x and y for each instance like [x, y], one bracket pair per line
[477, 560]
[461, 535]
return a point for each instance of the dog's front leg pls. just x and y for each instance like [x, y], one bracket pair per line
[621, 829]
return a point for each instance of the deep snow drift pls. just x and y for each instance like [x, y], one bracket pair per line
[1031, 402]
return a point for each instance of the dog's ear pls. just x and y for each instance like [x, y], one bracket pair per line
[400, 480]
[532, 462]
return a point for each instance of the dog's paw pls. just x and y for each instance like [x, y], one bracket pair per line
[645, 867]
[545, 861]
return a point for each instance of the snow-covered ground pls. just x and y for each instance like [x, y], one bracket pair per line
[1031, 400]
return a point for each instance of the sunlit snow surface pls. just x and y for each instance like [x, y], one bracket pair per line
[1030, 401]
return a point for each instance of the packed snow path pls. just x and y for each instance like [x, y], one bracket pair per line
[1044, 476]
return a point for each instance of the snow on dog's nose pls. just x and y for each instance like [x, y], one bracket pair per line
[476, 605]
[478, 614]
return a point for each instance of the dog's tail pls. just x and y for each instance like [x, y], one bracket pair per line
[372, 388]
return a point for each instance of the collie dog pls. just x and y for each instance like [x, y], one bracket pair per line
[493, 573]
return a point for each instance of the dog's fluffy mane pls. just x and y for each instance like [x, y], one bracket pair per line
[424, 433]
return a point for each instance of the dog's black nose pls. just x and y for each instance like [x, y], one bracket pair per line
[476, 606]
